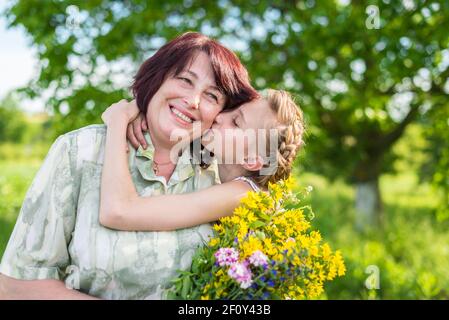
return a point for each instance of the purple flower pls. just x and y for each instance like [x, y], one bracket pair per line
[270, 283]
[226, 256]
[242, 274]
[258, 259]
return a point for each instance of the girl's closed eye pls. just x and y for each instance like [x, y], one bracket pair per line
[213, 96]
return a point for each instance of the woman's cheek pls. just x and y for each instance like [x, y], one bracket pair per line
[209, 116]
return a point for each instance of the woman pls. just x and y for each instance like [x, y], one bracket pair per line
[58, 244]
[121, 206]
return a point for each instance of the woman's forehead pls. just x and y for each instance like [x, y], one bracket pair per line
[200, 66]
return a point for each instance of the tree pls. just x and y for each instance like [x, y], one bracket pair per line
[363, 74]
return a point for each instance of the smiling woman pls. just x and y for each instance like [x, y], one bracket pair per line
[58, 242]
[184, 99]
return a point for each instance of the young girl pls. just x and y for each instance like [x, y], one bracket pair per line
[122, 208]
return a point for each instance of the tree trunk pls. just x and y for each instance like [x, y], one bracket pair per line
[368, 204]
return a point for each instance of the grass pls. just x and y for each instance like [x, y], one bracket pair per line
[15, 178]
[411, 251]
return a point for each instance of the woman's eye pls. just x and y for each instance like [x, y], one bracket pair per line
[186, 80]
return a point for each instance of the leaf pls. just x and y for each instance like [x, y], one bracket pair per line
[257, 224]
[186, 285]
[195, 265]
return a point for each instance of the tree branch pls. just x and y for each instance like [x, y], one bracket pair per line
[391, 137]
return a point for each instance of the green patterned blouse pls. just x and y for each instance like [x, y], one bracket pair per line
[57, 234]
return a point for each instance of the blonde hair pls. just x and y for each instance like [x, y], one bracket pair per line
[290, 126]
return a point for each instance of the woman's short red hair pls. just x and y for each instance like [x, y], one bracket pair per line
[230, 75]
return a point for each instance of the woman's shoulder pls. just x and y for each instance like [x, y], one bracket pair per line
[93, 130]
[86, 143]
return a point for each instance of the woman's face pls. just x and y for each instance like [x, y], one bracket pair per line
[187, 99]
[235, 134]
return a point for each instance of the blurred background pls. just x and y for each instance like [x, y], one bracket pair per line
[371, 77]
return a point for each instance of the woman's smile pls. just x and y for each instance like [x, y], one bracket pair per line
[181, 116]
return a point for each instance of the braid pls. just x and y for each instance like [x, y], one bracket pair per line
[290, 125]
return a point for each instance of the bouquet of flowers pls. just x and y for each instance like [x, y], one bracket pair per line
[265, 250]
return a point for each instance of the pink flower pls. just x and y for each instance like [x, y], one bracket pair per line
[258, 259]
[226, 256]
[240, 272]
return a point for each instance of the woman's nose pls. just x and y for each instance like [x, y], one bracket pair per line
[192, 102]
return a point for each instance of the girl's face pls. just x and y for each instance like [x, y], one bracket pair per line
[182, 100]
[235, 134]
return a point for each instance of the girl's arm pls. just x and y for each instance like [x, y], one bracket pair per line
[122, 208]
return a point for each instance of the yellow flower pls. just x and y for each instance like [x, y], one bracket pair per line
[235, 219]
[250, 200]
[242, 231]
[315, 237]
[313, 251]
[250, 217]
[326, 252]
[275, 191]
[268, 247]
[241, 212]
[289, 183]
[213, 242]
[218, 227]
[250, 245]
[339, 263]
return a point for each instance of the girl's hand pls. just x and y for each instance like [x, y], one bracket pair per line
[135, 131]
[120, 111]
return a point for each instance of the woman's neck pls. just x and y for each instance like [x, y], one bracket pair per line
[162, 156]
[229, 172]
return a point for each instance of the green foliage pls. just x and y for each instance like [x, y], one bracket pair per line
[346, 74]
[12, 120]
[410, 251]
[15, 178]
[436, 166]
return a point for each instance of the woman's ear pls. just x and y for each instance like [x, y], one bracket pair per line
[253, 163]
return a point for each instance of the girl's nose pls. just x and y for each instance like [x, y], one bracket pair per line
[218, 119]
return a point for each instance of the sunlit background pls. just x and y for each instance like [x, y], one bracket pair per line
[371, 79]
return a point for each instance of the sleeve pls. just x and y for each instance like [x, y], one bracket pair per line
[38, 247]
